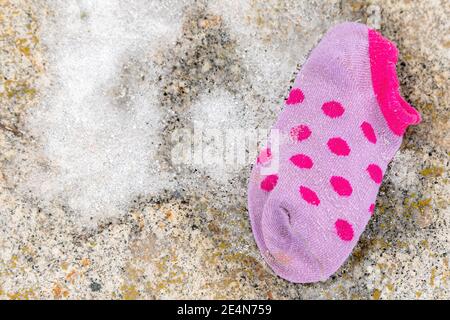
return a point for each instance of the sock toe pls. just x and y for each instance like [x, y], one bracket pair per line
[286, 246]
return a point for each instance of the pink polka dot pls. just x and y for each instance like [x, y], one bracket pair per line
[295, 96]
[375, 173]
[341, 185]
[264, 156]
[302, 161]
[333, 109]
[269, 182]
[309, 196]
[344, 230]
[368, 131]
[339, 146]
[300, 132]
[372, 208]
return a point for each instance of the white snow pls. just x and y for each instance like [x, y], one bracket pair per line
[98, 124]
[98, 135]
[275, 36]
[226, 127]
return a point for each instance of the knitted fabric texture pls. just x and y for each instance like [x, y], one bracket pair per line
[341, 125]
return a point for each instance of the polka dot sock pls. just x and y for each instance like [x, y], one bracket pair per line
[341, 125]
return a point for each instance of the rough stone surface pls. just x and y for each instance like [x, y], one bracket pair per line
[184, 231]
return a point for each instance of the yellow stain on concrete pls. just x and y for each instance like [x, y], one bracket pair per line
[376, 294]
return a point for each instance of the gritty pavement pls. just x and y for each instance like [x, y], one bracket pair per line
[93, 204]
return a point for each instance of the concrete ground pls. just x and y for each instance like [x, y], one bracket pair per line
[92, 94]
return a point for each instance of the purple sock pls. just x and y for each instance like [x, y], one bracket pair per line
[342, 124]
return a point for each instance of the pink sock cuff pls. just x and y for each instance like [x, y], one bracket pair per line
[398, 113]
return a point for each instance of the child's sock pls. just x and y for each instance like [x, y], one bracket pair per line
[344, 120]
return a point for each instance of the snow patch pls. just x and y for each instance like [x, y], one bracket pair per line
[272, 60]
[229, 138]
[100, 135]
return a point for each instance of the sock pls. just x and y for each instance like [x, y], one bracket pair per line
[341, 125]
